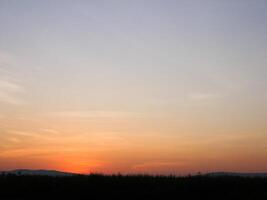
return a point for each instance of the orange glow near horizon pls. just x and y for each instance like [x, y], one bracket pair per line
[90, 150]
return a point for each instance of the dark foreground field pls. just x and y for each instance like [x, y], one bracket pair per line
[14, 187]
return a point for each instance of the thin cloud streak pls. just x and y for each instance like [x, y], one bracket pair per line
[11, 90]
[93, 114]
[10, 93]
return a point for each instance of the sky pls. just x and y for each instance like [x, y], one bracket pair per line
[161, 87]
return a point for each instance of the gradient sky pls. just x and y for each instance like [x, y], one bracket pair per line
[133, 86]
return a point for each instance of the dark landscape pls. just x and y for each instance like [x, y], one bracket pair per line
[96, 186]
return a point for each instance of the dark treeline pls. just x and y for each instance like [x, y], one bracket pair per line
[14, 187]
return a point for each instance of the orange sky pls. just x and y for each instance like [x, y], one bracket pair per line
[129, 144]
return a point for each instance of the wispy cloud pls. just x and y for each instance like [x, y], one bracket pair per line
[10, 92]
[49, 131]
[205, 96]
[10, 86]
[10, 89]
[6, 60]
[93, 114]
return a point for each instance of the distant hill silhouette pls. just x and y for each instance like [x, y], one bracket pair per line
[39, 172]
[42, 172]
[237, 174]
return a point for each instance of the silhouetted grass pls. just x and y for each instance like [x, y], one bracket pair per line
[95, 186]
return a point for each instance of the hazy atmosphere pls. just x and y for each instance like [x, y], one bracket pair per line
[138, 86]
